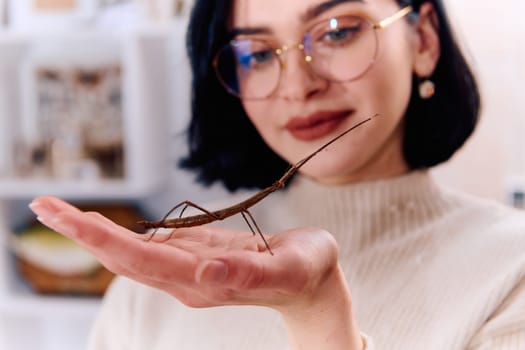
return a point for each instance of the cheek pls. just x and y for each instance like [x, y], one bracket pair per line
[387, 87]
[256, 112]
[393, 94]
[264, 116]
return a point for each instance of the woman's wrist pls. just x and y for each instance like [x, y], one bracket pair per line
[324, 319]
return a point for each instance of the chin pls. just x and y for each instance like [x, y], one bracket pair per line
[329, 173]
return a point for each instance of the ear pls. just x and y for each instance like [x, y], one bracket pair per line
[427, 47]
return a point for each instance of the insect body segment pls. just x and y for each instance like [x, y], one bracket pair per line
[240, 208]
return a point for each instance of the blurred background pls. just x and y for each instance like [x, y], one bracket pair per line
[94, 100]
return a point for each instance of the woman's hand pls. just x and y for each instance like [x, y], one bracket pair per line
[205, 266]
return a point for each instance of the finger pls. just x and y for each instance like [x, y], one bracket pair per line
[116, 245]
[46, 206]
[173, 236]
[246, 273]
[108, 222]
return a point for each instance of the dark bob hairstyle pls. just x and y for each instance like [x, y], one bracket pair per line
[225, 146]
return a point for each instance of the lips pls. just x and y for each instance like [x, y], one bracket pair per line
[316, 125]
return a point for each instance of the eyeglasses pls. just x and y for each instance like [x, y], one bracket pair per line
[339, 49]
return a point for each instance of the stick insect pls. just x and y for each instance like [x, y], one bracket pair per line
[239, 208]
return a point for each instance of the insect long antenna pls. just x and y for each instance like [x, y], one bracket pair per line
[293, 169]
[241, 207]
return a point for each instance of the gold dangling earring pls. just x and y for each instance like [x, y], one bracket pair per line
[427, 89]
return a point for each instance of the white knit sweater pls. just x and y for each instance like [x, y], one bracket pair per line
[428, 268]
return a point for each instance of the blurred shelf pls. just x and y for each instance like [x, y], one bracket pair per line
[18, 300]
[147, 56]
[144, 57]
[103, 189]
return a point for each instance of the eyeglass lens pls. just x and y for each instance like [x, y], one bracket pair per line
[340, 49]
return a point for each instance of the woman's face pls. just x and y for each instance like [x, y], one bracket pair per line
[306, 111]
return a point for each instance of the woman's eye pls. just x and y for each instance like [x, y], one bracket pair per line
[255, 59]
[262, 56]
[342, 34]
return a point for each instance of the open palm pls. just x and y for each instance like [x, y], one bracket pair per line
[202, 266]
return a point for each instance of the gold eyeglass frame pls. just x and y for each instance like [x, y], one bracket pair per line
[300, 46]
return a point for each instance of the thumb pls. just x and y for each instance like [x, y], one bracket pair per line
[245, 271]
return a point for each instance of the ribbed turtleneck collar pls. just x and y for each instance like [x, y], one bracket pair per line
[359, 214]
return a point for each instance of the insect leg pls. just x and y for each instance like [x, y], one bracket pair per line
[164, 218]
[185, 205]
[246, 214]
[248, 222]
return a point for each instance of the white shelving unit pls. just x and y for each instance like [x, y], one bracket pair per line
[146, 108]
[31, 321]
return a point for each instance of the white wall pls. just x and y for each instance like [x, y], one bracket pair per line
[494, 36]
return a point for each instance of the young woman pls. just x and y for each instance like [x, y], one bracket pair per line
[368, 251]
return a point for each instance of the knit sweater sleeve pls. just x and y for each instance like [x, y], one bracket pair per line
[505, 329]
[112, 328]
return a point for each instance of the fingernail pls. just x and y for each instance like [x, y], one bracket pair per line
[41, 211]
[212, 272]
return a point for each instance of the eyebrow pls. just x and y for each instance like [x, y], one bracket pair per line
[248, 31]
[310, 14]
[315, 11]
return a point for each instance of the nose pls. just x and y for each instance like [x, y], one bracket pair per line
[298, 81]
